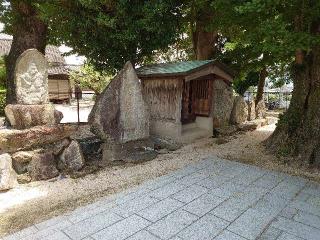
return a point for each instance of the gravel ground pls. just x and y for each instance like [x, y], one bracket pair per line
[38, 201]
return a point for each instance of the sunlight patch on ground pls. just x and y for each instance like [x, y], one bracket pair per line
[19, 196]
[267, 128]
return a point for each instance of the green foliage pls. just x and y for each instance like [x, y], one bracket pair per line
[269, 30]
[2, 73]
[2, 102]
[241, 85]
[109, 33]
[181, 50]
[280, 74]
[89, 77]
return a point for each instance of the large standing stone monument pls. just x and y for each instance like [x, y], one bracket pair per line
[120, 117]
[31, 80]
[239, 112]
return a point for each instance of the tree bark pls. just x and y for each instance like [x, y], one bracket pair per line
[261, 83]
[28, 32]
[298, 130]
[204, 42]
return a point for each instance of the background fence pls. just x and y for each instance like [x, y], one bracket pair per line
[273, 99]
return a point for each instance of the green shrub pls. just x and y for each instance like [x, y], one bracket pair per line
[2, 102]
[2, 73]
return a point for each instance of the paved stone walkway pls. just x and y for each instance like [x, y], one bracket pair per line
[214, 199]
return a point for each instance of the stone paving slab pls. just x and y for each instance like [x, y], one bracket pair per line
[203, 204]
[190, 193]
[297, 229]
[212, 199]
[122, 229]
[206, 227]
[172, 224]
[91, 225]
[271, 234]
[226, 235]
[251, 223]
[142, 235]
[160, 209]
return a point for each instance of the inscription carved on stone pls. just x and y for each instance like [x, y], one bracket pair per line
[31, 78]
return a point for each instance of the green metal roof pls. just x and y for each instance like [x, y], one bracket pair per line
[174, 68]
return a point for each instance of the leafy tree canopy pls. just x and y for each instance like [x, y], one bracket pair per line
[88, 77]
[109, 32]
[243, 83]
[264, 34]
[267, 30]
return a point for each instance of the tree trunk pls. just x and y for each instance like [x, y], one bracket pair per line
[259, 103]
[203, 42]
[298, 130]
[262, 81]
[28, 32]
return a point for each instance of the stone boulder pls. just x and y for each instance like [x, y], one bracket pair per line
[239, 112]
[58, 116]
[26, 116]
[15, 140]
[71, 158]
[251, 110]
[21, 160]
[43, 167]
[8, 177]
[167, 144]
[224, 131]
[58, 147]
[261, 110]
[90, 146]
[120, 113]
[129, 151]
[223, 93]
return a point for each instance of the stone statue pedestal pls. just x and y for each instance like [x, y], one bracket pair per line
[27, 116]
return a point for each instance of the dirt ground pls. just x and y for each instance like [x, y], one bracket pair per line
[38, 201]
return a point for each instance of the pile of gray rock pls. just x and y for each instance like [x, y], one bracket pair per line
[36, 144]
